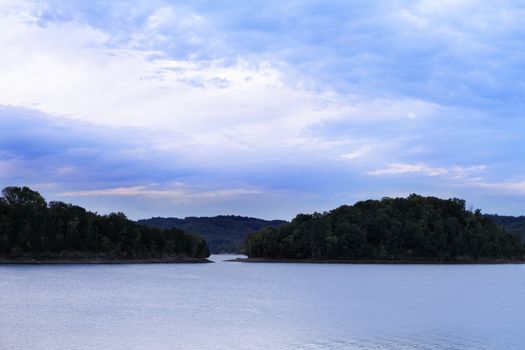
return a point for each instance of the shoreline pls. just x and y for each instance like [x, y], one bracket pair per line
[101, 261]
[379, 262]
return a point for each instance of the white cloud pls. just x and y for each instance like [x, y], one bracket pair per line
[212, 107]
[401, 168]
[210, 92]
[355, 154]
[514, 187]
[178, 193]
[454, 172]
[67, 69]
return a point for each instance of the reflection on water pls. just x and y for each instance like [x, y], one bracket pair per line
[230, 305]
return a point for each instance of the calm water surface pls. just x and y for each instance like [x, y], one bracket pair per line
[262, 306]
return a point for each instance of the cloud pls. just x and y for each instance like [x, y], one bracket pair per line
[295, 99]
[356, 154]
[177, 193]
[35, 147]
[454, 172]
[72, 69]
[514, 187]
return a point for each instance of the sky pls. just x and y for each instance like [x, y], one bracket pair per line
[262, 108]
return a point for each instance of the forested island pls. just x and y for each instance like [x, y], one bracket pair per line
[33, 231]
[223, 233]
[412, 229]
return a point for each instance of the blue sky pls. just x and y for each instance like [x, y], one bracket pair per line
[262, 108]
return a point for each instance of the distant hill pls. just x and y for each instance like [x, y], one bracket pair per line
[510, 223]
[223, 233]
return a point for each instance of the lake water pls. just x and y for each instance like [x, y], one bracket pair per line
[262, 306]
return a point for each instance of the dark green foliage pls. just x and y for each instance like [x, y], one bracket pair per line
[223, 234]
[510, 223]
[413, 228]
[29, 227]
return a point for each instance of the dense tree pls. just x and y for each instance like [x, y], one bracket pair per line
[413, 228]
[29, 227]
[510, 223]
[223, 233]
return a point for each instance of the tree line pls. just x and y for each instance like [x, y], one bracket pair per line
[412, 228]
[31, 227]
[510, 223]
[223, 233]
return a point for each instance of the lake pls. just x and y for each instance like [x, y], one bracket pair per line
[230, 305]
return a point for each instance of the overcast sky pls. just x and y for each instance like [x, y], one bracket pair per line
[262, 108]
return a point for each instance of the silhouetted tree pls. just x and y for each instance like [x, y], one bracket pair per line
[29, 227]
[413, 228]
